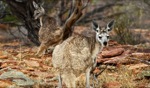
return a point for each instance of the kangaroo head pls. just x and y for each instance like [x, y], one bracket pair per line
[102, 34]
[39, 10]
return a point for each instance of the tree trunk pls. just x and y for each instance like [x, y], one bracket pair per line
[76, 10]
[24, 10]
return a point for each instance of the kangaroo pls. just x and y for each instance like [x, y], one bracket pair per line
[50, 34]
[77, 54]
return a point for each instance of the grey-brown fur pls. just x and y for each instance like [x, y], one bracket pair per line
[50, 33]
[73, 57]
[77, 55]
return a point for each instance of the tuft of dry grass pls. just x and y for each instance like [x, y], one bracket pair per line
[120, 77]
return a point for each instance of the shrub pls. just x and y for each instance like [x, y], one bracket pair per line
[123, 34]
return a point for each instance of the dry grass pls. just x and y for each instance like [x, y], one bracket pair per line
[120, 77]
[124, 33]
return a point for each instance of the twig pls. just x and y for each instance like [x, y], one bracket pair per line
[87, 3]
[96, 75]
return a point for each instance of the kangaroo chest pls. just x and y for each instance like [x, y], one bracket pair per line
[96, 50]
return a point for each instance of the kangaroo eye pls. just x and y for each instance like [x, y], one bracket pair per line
[107, 36]
[100, 37]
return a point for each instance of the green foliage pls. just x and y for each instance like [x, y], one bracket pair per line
[126, 22]
[9, 18]
[144, 74]
[124, 34]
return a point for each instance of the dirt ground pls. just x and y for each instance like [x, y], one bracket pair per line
[129, 67]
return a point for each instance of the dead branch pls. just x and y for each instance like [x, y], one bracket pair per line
[77, 13]
[63, 10]
[98, 17]
[96, 75]
[86, 17]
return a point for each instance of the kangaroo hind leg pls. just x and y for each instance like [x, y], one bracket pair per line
[70, 80]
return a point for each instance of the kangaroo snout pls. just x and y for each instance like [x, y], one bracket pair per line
[105, 43]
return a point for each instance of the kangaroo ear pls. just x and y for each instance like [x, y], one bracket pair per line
[110, 25]
[36, 6]
[95, 26]
[42, 3]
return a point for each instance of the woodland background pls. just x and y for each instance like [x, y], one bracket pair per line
[127, 57]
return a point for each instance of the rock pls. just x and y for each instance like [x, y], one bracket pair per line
[112, 53]
[127, 52]
[113, 60]
[146, 74]
[101, 60]
[17, 77]
[146, 56]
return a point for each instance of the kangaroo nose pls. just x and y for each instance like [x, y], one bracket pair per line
[105, 43]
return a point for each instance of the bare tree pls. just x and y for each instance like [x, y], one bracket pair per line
[78, 6]
[23, 9]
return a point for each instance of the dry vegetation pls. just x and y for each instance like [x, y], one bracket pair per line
[127, 56]
[120, 73]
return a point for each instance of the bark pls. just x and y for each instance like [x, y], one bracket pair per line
[77, 13]
[23, 10]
